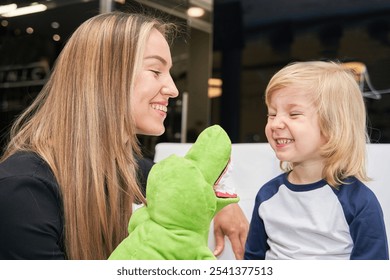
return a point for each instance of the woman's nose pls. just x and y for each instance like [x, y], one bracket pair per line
[170, 88]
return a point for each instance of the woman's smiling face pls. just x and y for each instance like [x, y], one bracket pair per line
[153, 87]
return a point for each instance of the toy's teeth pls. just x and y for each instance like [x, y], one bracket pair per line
[225, 195]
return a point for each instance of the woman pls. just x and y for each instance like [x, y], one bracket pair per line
[68, 176]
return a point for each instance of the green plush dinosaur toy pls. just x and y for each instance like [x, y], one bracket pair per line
[183, 195]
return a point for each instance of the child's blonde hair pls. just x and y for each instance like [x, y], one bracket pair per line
[341, 111]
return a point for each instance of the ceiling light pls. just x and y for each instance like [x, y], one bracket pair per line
[56, 37]
[55, 25]
[33, 8]
[7, 8]
[195, 12]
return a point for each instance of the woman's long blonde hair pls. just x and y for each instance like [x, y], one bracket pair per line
[81, 125]
[342, 115]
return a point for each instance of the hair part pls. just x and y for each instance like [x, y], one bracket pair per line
[81, 124]
[342, 115]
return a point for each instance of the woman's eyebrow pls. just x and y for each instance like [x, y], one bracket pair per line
[162, 60]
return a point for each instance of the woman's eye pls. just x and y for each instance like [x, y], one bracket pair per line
[157, 73]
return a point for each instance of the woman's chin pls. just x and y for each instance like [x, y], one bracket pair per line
[156, 131]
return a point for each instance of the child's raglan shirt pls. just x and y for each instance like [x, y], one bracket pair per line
[316, 221]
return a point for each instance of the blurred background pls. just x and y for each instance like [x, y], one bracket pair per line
[223, 58]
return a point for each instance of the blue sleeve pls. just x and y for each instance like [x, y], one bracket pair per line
[256, 245]
[366, 224]
[30, 220]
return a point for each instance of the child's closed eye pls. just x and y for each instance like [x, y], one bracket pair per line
[271, 115]
[296, 114]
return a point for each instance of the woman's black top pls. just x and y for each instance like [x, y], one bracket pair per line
[31, 216]
[30, 210]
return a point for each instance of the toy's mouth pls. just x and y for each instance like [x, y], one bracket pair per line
[224, 187]
[225, 195]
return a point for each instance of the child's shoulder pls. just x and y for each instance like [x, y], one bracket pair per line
[354, 189]
[358, 200]
[352, 184]
[276, 181]
[272, 186]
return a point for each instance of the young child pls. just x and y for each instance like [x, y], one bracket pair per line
[319, 208]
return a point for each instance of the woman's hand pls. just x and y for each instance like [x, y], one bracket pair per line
[231, 221]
